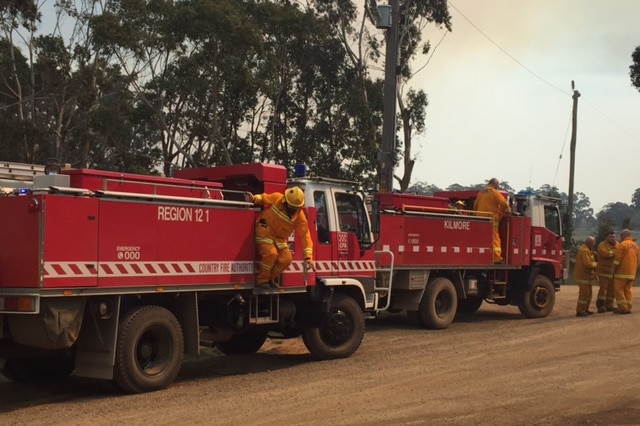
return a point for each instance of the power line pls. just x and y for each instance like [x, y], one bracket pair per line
[507, 53]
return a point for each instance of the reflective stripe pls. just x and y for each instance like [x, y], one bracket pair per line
[624, 277]
[281, 215]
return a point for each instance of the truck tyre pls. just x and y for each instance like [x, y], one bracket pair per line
[539, 300]
[439, 303]
[342, 332]
[245, 343]
[150, 349]
[469, 305]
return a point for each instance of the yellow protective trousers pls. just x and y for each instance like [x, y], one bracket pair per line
[584, 297]
[624, 293]
[275, 254]
[606, 292]
[497, 244]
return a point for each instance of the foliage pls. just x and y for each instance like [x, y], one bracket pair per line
[151, 86]
[634, 68]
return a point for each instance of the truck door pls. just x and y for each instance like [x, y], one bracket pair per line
[324, 222]
[352, 236]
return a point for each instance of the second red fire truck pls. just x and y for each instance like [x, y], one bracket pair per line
[116, 276]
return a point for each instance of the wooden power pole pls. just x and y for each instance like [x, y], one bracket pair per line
[572, 162]
[386, 156]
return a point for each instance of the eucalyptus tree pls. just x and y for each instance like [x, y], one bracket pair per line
[355, 25]
[634, 68]
[58, 99]
[315, 97]
[18, 23]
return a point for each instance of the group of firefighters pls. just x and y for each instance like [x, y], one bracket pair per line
[613, 267]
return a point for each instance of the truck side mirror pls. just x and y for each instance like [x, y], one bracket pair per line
[375, 216]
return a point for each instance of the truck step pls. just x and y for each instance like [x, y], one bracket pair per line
[265, 307]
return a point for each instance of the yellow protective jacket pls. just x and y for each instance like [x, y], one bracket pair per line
[491, 200]
[626, 260]
[584, 271]
[606, 254]
[275, 214]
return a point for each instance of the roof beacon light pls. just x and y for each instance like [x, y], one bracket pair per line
[300, 170]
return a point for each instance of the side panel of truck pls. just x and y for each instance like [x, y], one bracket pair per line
[159, 243]
[429, 240]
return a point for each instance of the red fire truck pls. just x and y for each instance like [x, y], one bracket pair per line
[423, 255]
[443, 255]
[114, 276]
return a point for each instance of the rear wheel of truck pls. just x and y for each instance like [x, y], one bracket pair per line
[150, 350]
[342, 332]
[439, 304]
[248, 342]
[538, 302]
[469, 305]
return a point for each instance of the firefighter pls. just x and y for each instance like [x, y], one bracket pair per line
[281, 215]
[625, 264]
[584, 274]
[606, 252]
[490, 200]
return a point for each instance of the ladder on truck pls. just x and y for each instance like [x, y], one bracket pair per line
[18, 172]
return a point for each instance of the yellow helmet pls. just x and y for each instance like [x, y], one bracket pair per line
[294, 197]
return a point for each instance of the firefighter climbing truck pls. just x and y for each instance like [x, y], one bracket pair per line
[116, 276]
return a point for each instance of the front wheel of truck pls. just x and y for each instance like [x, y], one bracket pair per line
[342, 332]
[150, 350]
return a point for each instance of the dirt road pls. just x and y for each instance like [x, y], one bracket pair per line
[490, 368]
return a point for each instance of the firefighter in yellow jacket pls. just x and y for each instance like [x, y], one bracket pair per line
[490, 200]
[625, 265]
[281, 215]
[584, 274]
[606, 252]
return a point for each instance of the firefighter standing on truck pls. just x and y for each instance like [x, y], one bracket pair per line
[584, 274]
[625, 265]
[281, 215]
[491, 200]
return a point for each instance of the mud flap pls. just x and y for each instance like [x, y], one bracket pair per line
[57, 326]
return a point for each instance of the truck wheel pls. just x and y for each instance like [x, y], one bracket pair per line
[469, 305]
[149, 350]
[538, 302]
[342, 332]
[439, 303]
[244, 343]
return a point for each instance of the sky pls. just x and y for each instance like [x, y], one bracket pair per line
[500, 97]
